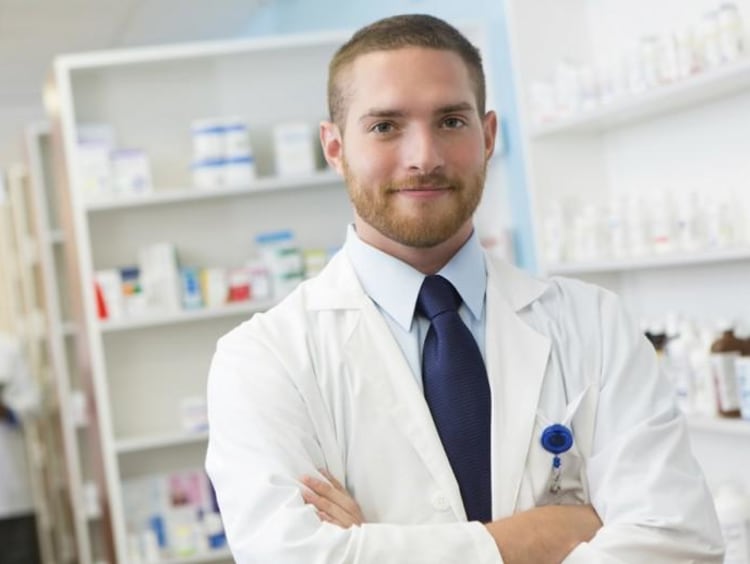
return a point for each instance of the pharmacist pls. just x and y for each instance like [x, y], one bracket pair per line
[18, 399]
[472, 413]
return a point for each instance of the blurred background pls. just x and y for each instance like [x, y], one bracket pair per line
[161, 181]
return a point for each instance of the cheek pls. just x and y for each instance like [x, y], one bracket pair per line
[369, 161]
[469, 154]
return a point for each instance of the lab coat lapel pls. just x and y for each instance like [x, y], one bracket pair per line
[374, 351]
[516, 362]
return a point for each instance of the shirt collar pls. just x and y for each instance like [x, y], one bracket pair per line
[394, 285]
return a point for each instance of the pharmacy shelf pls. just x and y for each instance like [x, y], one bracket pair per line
[186, 316]
[213, 556]
[709, 85]
[736, 427]
[140, 444]
[652, 262]
[183, 195]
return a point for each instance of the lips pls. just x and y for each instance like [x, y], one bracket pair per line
[422, 183]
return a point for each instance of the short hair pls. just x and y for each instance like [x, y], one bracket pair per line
[397, 32]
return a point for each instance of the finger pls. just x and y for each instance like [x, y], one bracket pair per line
[323, 516]
[348, 502]
[331, 478]
[322, 504]
[340, 498]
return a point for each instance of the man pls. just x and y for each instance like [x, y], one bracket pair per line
[18, 397]
[342, 426]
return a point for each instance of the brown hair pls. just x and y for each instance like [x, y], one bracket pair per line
[397, 32]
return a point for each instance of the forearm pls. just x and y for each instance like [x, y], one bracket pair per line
[543, 534]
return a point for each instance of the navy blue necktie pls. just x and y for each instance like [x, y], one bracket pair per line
[458, 394]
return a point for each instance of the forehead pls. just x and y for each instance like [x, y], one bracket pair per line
[411, 74]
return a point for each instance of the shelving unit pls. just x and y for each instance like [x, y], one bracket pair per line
[711, 85]
[64, 371]
[186, 195]
[23, 259]
[666, 261]
[200, 558]
[684, 136]
[141, 444]
[187, 316]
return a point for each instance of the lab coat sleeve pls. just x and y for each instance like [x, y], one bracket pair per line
[644, 482]
[263, 437]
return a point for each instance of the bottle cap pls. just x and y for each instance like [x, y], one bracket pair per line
[724, 324]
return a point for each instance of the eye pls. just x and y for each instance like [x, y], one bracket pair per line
[454, 122]
[383, 127]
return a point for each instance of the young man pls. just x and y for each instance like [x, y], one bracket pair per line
[406, 390]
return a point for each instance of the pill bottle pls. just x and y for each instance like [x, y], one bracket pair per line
[724, 351]
[208, 139]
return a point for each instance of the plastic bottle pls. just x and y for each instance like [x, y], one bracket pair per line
[678, 354]
[704, 398]
[656, 333]
[733, 510]
[709, 40]
[660, 224]
[730, 32]
[616, 228]
[553, 229]
[635, 228]
[724, 351]
[688, 236]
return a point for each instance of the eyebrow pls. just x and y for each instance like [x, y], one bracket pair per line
[384, 113]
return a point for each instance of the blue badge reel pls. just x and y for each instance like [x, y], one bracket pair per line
[556, 439]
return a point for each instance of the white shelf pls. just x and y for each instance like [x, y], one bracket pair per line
[652, 262]
[709, 85]
[261, 185]
[737, 427]
[186, 316]
[159, 441]
[213, 556]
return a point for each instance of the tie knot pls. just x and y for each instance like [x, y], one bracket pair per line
[437, 295]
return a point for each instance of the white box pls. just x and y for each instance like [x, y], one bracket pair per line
[131, 171]
[294, 149]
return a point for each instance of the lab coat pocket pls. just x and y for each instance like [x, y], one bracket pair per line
[563, 483]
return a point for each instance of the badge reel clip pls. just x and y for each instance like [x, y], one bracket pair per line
[556, 439]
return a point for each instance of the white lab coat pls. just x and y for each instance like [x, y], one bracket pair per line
[20, 394]
[319, 381]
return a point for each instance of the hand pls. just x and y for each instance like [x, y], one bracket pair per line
[544, 534]
[332, 501]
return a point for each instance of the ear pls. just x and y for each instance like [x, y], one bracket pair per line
[332, 142]
[489, 125]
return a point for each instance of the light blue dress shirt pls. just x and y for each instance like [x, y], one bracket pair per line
[394, 286]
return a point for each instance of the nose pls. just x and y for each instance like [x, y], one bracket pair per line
[423, 151]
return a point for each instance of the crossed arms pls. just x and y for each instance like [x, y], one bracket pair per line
[542, 534]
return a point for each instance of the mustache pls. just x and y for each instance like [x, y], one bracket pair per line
[434, 179]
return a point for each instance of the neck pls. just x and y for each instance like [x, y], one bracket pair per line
[428, 260]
